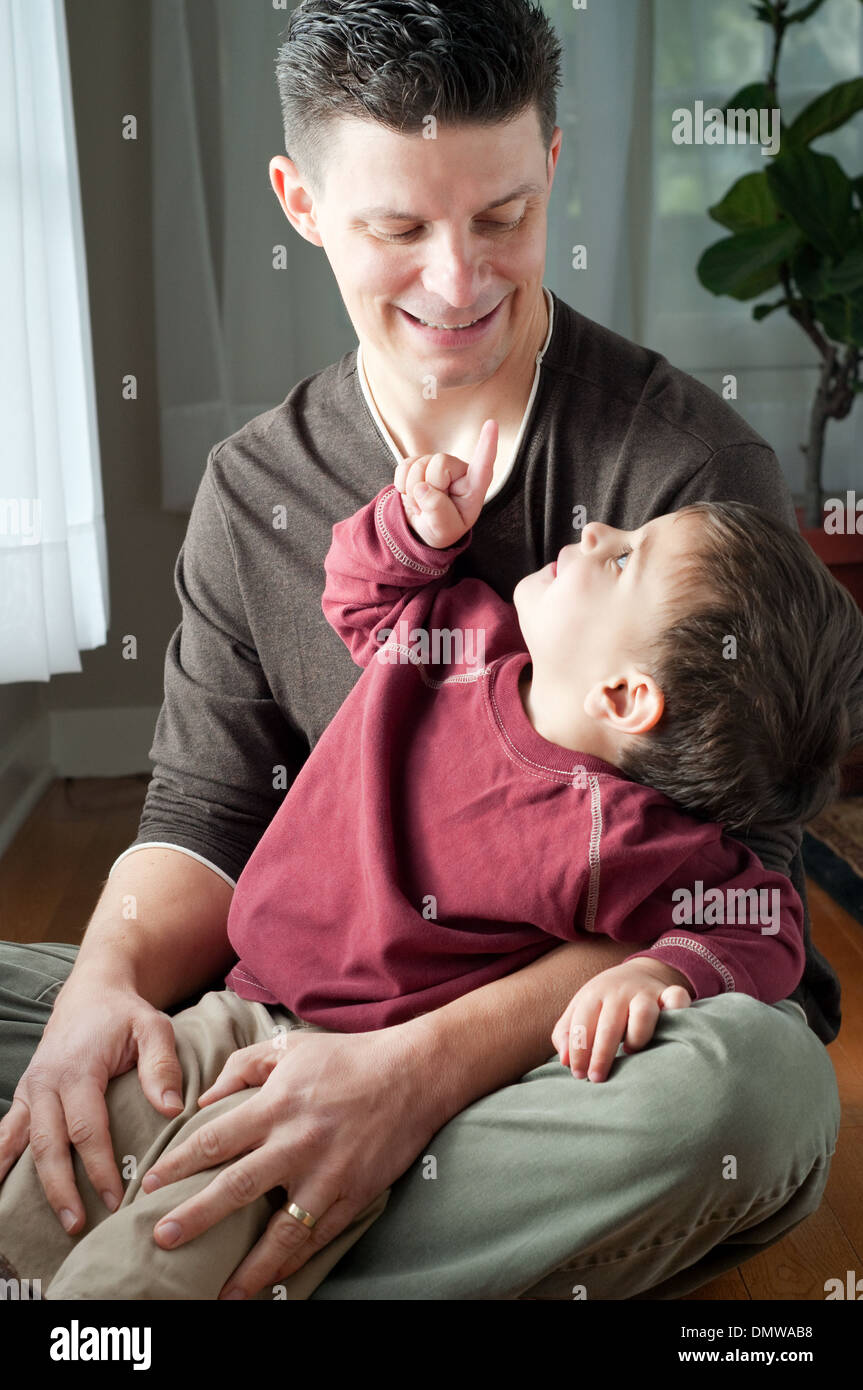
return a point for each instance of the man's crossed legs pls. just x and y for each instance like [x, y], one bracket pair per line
[702, 1149]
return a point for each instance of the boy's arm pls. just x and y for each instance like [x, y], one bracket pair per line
[654, 870]
[726, 923]
[376, 566]
[394, 554]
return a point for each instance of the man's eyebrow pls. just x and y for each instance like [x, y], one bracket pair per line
[394, 215]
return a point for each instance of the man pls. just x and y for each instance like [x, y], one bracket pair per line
[422, 150]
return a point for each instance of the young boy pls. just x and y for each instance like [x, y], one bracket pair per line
[483, 790]
[480, 796]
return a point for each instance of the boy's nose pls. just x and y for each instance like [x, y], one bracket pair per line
[592, 534]
[597, 533]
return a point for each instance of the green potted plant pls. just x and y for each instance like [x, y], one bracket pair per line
[797, 227]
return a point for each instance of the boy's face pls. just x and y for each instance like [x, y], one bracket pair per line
[589, 617]
[449, 230]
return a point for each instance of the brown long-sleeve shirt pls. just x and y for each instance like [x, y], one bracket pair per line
[254, 673]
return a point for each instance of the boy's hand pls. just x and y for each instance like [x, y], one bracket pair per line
[619, 1005]
[442, 495]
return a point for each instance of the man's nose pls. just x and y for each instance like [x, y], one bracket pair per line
[453, 270]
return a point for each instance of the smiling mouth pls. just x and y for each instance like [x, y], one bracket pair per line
[449, 327]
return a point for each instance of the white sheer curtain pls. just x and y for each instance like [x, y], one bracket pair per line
[234, 332]
[53, 571]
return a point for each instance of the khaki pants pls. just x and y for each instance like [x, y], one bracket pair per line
[547, 1188]
[115, 1256]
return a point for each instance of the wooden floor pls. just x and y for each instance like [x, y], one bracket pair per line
[52, 874]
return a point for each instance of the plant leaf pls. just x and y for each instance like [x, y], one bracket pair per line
[756, 97]
[753, 94]
[797, 16]
[842, 317]
[807, 268]
[747, 204]
[760, 311]
[745, 265]
[827, 112]
[847, 275]
[814, 190]
[817, 278]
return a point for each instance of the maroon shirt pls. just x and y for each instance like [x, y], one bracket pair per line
[434, 841]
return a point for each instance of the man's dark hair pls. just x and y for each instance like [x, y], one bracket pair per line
[754, 732]
[398, 61]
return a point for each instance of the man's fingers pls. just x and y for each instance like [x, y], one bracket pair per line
[220, 1138]
[14, 1134]
[159, 1070]
[237, 1185]
[49, 1144]
[287, 1244]
[248, 1067]
[89, 1132]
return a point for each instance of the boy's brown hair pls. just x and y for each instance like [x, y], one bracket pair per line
[762, 677]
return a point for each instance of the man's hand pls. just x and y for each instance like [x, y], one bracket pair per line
[338, 1118]
[442, 495]
[97, 1030]
[620, 1005]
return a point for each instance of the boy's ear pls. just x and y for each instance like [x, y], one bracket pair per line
[630, 702]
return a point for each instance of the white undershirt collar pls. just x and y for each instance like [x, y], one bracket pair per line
[499, 481]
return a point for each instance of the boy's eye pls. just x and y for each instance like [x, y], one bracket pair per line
[622, 556]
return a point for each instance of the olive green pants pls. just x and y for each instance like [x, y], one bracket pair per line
[696, 1153]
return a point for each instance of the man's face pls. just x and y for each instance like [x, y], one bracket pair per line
[446, 230]
[589, 615]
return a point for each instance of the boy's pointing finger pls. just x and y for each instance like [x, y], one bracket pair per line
[479, 472]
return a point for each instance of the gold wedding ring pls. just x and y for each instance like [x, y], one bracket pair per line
[304, 1216]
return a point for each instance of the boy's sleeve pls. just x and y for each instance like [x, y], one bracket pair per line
[699, 899]
[727, 923]
[380, 573]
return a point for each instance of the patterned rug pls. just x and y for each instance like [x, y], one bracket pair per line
[833, 853]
